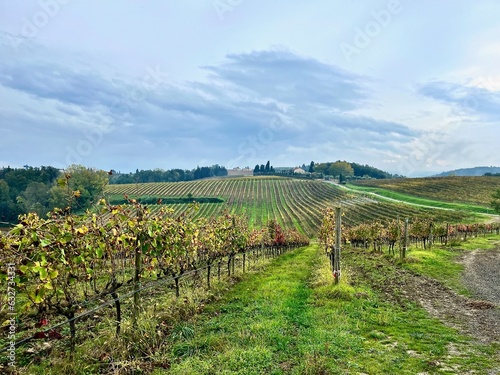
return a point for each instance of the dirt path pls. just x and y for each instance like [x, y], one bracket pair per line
[482, 274]
[478, 317]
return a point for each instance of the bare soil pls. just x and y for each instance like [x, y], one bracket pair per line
[482, 274]
[477, 316]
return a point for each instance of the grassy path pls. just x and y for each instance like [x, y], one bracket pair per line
[290, 319]
[256, 329]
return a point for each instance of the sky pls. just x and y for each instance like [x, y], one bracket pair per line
[410, 87]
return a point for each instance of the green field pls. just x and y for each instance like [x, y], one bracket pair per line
[281, 315]
[292, 202]
[461, 190]
[289, 318]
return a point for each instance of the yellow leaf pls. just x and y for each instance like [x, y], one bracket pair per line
[82, 230]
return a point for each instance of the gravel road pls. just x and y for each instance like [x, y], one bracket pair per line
[482, 274]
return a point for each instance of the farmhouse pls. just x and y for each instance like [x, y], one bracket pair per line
[299, 171]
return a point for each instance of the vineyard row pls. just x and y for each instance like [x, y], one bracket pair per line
[65, 262]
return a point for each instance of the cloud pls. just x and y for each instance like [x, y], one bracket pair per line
[292, 79]
[47, 80]
[252, 107]
[475, 100]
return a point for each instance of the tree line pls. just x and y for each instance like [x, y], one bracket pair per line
[263, 169]
[346, 169]
[171, 175]
[339, 169]
[41, 189]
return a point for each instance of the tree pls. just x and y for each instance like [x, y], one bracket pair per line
[341, 179]
[495, 203]
[256, 169]
[268, 166]
[322, 168]
[341, 168]
[16, 198]
[36, 198]
[6, 204]
[79, 188]
[4, 191]
[311, 167]
[262, 168]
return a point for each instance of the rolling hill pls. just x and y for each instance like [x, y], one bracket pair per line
[472, 190]
[470, 172]
[292, 202]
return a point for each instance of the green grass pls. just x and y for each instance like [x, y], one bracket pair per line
[291, 319]
[441, 262]
[438, 264]
[422, 201]
[474, 190]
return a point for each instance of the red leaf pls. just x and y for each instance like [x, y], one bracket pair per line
[42, 322]
[53, 334]
[40, 335]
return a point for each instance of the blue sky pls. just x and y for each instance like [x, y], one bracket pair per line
[411, 87]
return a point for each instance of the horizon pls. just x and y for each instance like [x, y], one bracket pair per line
[251, 168]
[409, 88]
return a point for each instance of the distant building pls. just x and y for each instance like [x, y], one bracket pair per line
[299, 171]
[237, 172]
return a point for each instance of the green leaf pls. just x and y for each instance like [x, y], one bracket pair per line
[62, 182]
[66, 238]
[43, 273]
[34, 237]
[45, 242]
[53, 274]
[99, 252]
[38, 298]
[26, 306]
[63, 257]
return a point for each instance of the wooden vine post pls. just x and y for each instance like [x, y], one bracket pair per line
[447, 234]
[338, 238]
[208, 275]
[406, 240]
[137, 285]
[137, 274]
[431, 235]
